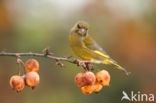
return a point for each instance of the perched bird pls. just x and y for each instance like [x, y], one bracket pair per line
[86, 48]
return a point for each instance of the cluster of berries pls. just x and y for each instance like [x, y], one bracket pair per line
[89, 83]
[30, 78]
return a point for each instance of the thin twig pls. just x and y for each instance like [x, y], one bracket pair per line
[37, 55]
[49, 55]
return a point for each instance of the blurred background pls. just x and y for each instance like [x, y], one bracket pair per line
[126, 29]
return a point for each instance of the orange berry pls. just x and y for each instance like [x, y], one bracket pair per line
[32, 79]
[97, 87]
[17, 83]
[86, 78]
[88, 89]
[103, 77]
[32, 65]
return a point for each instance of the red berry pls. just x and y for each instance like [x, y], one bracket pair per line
[32, 79]
[17, 83]
[89, 78]
[103, 77]
[78, 80]
[32, 65]
[86, 78]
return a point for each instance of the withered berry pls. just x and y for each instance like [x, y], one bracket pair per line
[88, 89]
[17, 83]
[97, 87]
[32, 79]
[86, 78]
[103, 77]
[78, 80]
[32, 65]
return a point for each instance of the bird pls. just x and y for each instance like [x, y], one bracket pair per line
[87, 49]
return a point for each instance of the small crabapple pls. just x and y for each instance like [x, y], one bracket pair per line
[32, 65]
[103, 77]
[32, 79]
[17, 83]
[89, 78]
[88, 89]
[86, 78]
[97, 87]
[78, 80]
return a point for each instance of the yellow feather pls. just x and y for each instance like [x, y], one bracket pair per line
[102, 54]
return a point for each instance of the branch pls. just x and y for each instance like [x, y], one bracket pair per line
[36, 55]
[46, 54]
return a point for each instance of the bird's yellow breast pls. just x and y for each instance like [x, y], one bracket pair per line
[78, 47]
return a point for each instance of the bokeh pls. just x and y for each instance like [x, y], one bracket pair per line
[126, 29]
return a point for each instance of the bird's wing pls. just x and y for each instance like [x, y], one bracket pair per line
[94, 49]
[91, 44]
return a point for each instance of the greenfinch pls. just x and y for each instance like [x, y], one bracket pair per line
[86, 48]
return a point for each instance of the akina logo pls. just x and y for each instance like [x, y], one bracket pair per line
[137, 96]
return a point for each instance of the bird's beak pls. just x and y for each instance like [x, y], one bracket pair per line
[82, 32]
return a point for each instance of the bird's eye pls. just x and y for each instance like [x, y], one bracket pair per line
[78, 26]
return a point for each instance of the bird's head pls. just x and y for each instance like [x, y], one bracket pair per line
[81, 28]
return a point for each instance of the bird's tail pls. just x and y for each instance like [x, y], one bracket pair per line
[115, 64]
